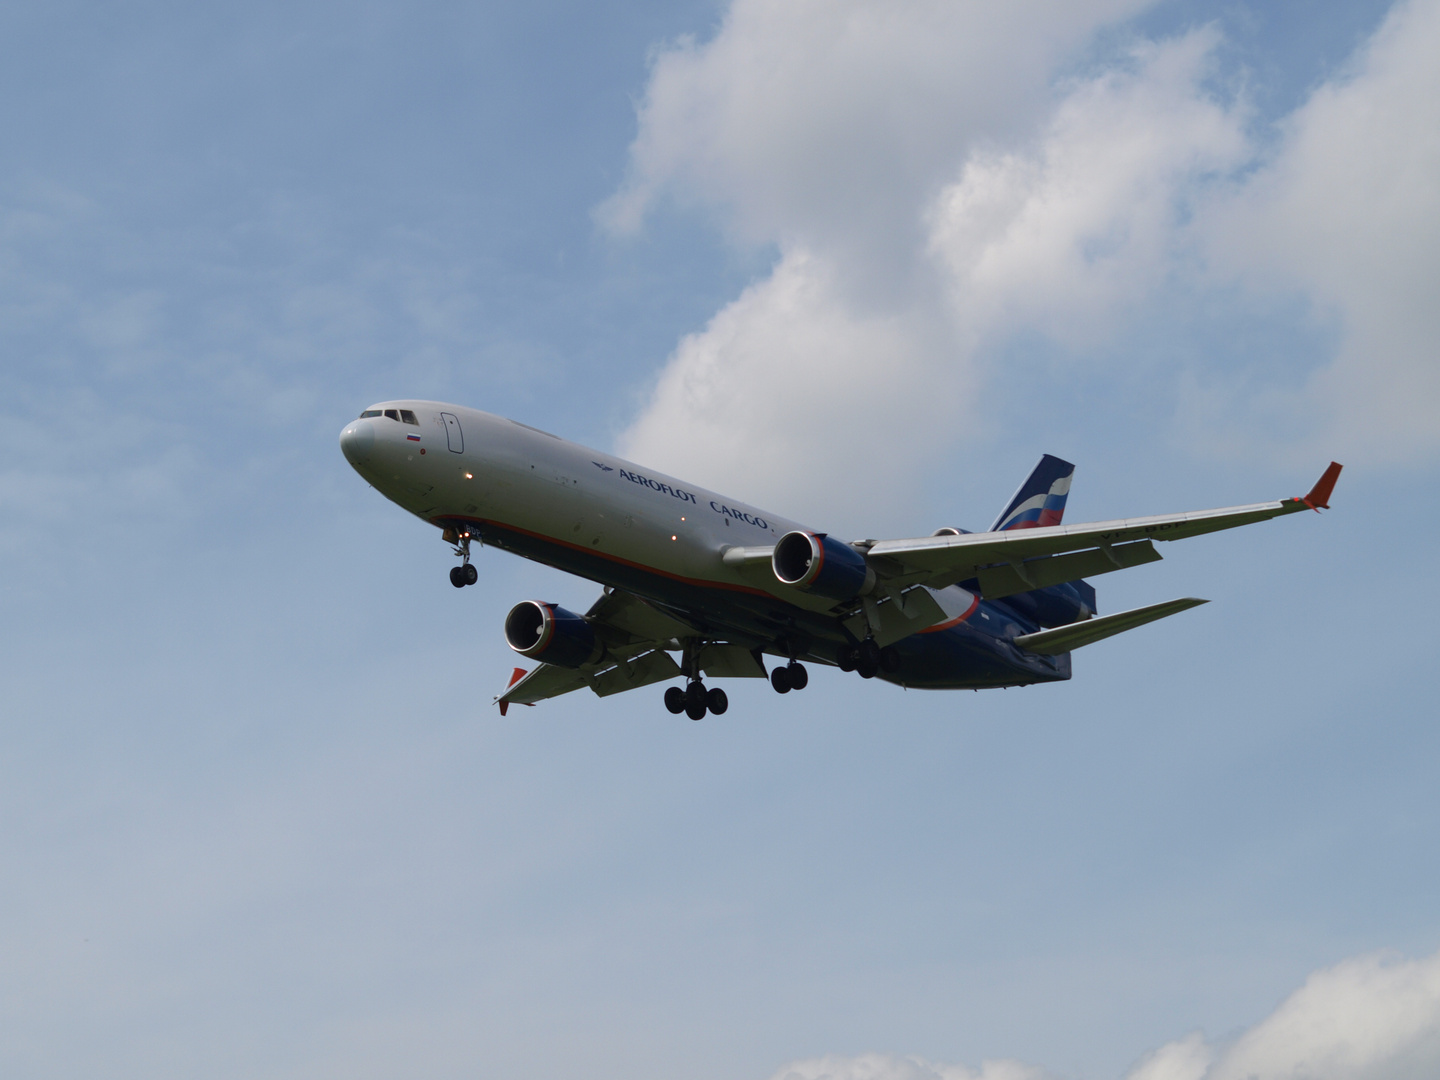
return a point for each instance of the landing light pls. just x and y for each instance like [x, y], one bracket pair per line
[469, 476]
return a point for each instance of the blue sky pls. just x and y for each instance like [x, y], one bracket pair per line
[854, 261]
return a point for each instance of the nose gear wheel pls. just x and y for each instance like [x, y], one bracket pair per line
[465, 573]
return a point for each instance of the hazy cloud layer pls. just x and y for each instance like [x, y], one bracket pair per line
[1369, 1018]
[934, 199]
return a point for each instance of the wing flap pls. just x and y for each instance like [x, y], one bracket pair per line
[1008, 579]
[1064, 638]
[651, 667]
[722, 661]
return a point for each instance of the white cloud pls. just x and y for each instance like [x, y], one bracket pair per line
[1348, 212]
[933, 200]
[1370, 1018]
[886, 1067]
[842, 368]
[1060, 237]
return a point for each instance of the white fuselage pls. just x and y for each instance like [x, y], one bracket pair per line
[463, 464]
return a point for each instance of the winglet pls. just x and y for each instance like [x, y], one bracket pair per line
[518, 674]
[1319, 497]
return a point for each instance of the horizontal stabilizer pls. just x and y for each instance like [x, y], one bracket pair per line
[1064, 638]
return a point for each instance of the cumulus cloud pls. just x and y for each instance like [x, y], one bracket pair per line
[1373, 1017]
[886, 1067]
[1348, 212]
[935, 195]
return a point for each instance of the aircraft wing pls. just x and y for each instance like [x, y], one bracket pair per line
[637, 636]
[1023, 559]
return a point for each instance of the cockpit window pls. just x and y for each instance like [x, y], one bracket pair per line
[393, 414]
[369, 412]
[409, 417]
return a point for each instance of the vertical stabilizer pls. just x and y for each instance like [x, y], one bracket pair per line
[1041, 498]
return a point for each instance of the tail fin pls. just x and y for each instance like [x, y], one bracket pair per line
[1041, 498]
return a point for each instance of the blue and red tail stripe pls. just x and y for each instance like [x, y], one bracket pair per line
[1041, 498]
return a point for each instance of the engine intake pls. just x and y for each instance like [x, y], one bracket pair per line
[817, 563]
[549, 633]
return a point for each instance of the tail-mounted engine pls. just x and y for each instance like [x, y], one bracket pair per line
[818, 564]
[549, 633]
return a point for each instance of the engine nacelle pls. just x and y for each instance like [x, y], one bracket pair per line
[549, 633]
[1055, 605]
[816, 563]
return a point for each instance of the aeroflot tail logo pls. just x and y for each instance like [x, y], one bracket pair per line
[656, 485]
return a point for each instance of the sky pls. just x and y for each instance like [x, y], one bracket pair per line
[859, 262]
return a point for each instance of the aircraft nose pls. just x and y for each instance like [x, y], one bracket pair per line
[356, 441]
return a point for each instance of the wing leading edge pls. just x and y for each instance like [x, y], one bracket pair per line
[1077, 550]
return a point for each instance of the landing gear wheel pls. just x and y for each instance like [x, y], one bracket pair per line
[457, 576]
[890, 660]
[695, 700]
[867, 659]
[675, 700]
[469, 573]
[849, 658]
[780, 680]
[717, 701]
[799, 677]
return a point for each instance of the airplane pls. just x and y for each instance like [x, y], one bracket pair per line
[725, 585]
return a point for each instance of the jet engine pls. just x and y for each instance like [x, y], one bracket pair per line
[549, 633]
[817, 563]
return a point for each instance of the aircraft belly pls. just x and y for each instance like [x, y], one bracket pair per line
[965, 657]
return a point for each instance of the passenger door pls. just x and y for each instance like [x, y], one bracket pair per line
[453, 437]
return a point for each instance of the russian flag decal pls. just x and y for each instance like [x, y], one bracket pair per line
[413, 438]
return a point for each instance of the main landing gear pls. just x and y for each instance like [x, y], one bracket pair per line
[869, 659]
[695, 701]
[792, 676]
[464, 574]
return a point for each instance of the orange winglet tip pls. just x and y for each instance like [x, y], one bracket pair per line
[1319, 497]
[515, 676]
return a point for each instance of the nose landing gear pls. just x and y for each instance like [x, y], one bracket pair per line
[465, 573]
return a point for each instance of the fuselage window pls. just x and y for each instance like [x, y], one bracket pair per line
[409, 417]
[369, 412]
[392, 414]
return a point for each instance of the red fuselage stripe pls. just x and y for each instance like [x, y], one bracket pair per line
[700, 582]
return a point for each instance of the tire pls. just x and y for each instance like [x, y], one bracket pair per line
[869, 656]
[868, 671]
[849, 658]
[695, 710]
[470, 574]
[675, 700]
[890, 660]
[717, 701]
[799, 677]
[457, 578]
[780, 680]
